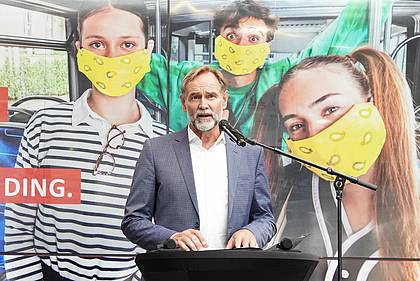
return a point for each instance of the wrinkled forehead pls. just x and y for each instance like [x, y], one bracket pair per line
[246, 25]
[203, 83]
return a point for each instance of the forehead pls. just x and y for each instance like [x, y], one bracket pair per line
[309, 85]
[248, 24]
[204, 82]
[103, 22]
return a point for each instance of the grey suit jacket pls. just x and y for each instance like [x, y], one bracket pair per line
[163, 189]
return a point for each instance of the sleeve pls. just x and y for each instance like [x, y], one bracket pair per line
[139, 210]
[262, 223]
[349, 31]
[154, 85]
[20, 218]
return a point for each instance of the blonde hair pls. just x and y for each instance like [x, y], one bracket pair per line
[397, 203]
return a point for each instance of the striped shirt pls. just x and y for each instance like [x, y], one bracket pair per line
[71, 135]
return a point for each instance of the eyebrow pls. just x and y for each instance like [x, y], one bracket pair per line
[122, 37]
[324, 97]
[318, 101]
[250, 27]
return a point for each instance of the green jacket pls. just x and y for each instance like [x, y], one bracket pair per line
[344, 34]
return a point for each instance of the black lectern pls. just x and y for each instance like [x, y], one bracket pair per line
[226, 265]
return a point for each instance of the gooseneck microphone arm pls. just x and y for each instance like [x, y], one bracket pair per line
[234, 134]
[339, 181]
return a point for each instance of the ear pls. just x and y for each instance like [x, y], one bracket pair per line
[225, 99]
[77, 44]
[184, 108]
[150, 45]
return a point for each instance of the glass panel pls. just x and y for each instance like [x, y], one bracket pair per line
[25, 23]
[34, 72]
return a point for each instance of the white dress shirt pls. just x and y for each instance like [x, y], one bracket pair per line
[211, 184]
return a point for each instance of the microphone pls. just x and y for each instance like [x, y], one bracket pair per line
[168, 244]
[234, 134]
[287, 244]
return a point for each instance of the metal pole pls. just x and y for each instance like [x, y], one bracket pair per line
[388, 32]
[375, 22]
[210, 49]
[158, 39]
[168, 60]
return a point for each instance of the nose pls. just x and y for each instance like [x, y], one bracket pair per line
[203, 103]
[112, 52]
[243, 40]
[316, 126]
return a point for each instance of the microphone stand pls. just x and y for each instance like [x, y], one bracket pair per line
[339, 182]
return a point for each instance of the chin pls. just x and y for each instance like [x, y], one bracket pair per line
[204, 127]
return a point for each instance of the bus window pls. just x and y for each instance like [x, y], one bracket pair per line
[31, 62]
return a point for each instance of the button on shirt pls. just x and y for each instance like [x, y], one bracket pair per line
[211, 184]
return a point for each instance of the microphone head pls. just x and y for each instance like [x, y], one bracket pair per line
[223, 123]
[285, 244]
[169, 244]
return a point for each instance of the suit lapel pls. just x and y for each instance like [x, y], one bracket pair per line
[183, 155]
[233, 155]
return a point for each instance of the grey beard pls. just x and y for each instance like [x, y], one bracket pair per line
[204, 127]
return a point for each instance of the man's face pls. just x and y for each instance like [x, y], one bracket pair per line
[204, 102]
[112, 33]
[250, 31]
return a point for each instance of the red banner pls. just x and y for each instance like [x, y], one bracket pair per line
[4, 115]
[46, 186]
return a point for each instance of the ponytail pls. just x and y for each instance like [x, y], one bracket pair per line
[397, 204]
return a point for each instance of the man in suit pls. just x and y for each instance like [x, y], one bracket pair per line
[201, 189]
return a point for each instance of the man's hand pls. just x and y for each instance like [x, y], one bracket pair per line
[190, 239]
[242, 238]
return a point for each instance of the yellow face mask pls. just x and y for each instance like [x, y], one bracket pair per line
[239, 60]
[350, 145]
[114, 76]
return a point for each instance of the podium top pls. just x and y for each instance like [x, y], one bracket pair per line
[237, 264]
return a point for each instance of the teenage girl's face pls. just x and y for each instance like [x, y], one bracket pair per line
[112, 33]
[314, 99]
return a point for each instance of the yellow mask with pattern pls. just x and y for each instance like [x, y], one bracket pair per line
[239, 60]
[114, 76]
[350, 145]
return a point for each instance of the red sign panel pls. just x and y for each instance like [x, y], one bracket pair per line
[4, 115]
[46, 186]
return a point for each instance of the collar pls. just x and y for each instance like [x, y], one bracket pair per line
[193, 138]
[82, 113]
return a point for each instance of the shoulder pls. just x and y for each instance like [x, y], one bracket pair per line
[163, 139]
[62, 109]
[52, 114]
[158, 128]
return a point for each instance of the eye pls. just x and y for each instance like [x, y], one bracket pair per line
[295, 127]
[331, 110]
[254, 39]
[231, 36]
[129, 45]
[97, 45]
